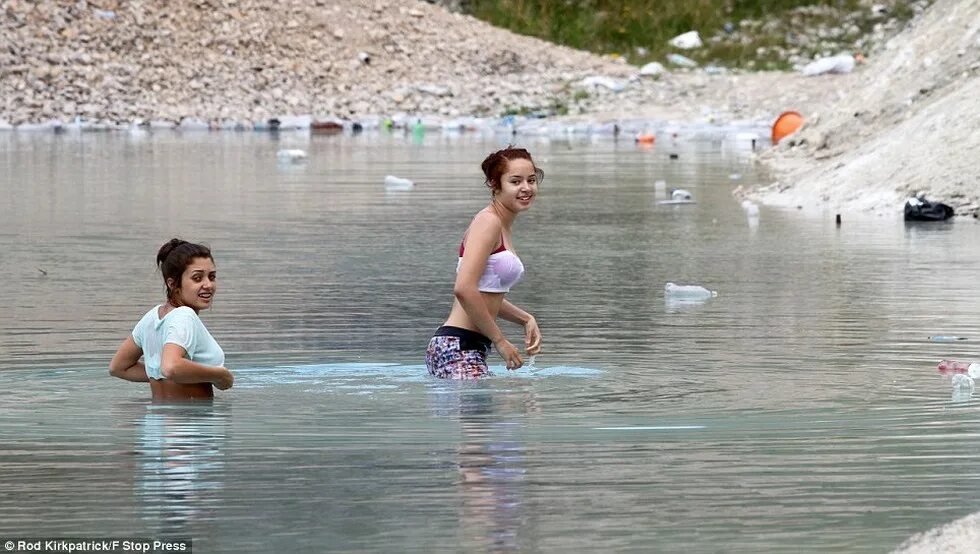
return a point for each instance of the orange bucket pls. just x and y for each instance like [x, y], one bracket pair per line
[646, 139]
[786, 124]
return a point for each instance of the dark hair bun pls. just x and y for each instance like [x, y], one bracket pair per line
[167, 248]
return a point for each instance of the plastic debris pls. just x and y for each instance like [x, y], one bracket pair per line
[963, 383]
[786, 124]
[678, 196]
[326, 126]
[688, 291]
[398, 184]
[687, 41]
[681, 61]
[843, 63]
[294, 122]
[652, 69]
[291, 154]
[603, 82]
[920, 209]
[947, 367]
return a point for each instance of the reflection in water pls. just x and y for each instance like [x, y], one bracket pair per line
[180, 463]
[491, 464]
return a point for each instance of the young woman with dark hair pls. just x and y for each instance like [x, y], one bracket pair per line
[180, 358]
[486, 270]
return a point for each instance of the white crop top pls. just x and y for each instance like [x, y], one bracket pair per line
[504, 270]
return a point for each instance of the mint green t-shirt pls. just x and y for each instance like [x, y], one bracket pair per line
[181, 326]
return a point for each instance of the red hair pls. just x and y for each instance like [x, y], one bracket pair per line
[496, 164]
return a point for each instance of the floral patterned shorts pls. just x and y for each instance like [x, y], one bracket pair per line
[456, 353]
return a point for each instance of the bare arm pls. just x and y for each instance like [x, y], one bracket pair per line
[480, 240]
[532, 335]
[512, 313]
[175, 367]
[126, 362]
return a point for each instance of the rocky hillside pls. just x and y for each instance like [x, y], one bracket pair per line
[244, 61]
[249, 59]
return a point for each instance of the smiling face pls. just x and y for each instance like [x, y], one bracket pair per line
[518, 185]
[198, 284]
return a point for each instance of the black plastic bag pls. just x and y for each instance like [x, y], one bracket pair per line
[920, 209]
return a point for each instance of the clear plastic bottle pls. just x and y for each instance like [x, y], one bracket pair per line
[688, 291]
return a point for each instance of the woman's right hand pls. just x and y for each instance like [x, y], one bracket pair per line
[509, 353]
[224, 380]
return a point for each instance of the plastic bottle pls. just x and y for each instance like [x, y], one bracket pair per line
[398, 183]
[963, 383]
[688, 291]
[682, 61]
[945, 338]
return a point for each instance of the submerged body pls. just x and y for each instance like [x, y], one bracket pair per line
[170, 348]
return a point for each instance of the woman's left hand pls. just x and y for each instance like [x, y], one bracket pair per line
[532, 337]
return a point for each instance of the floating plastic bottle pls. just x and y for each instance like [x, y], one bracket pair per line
[291, 154]
[963, 383]
[694, 292]
[945, 338]
[398, 183]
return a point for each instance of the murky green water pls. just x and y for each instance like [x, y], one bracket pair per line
[800, 410]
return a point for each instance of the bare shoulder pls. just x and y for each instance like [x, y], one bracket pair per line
[486, 221]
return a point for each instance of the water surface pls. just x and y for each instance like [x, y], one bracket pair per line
[799, 410]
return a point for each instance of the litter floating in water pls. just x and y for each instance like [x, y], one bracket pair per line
[786, 124]
[646, 138]
[963, 387]
[947, 367]
[397, 183]
[693, 292]
[678, 196]
[945, 338]
[291, 154]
